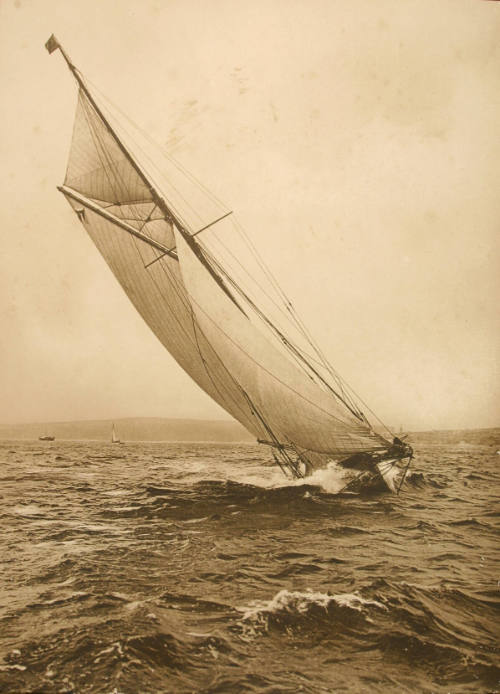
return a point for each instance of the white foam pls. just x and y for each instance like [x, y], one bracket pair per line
[331, 479]
[121, 596]
[300, 602]
[27, 510]
[131, 606]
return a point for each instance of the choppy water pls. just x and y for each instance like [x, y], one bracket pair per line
[194, 568]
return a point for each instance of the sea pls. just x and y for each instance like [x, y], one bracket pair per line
[197, 567]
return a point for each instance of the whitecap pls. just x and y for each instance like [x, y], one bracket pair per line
[195, 520]
[300, 602]
[27, 510]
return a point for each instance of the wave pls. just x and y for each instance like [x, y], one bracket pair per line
[290, 609]
[469, 522]
[399, 617]
[415, 479]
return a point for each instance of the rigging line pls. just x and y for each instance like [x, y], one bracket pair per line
[162, 176]
[300, 457]
[330, 368]
[196, 248]
[112, 165]
[294, 316]
[256, 282]
[175, 288]
[264, 268]
[286, 301]
[268, 296]
[160, 291]
[108, 165]
[211, 196]
[225, 369]
[201, 355]
[162, 149]
[300, 362]
[104, 155]
[238, 406]
[88, 204]
[280, 465]
[150, 139]
[182, 295]
[98, 144]
[155, 260]
[341, 382]
[270, 432]
[371, 411]
[404, 473]
[127, 219]
[207, 226]
[351, 481]
[285, 385]
[270, 276]
[148, 218]
[289, 345]
[144, 178]
[263, 265]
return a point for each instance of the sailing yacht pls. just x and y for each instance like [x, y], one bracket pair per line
[254, 357]
[114, 438]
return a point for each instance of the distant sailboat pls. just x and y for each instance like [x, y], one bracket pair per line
[254, 359]
[114, 438]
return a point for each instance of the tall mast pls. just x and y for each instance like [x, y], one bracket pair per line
[52, 45]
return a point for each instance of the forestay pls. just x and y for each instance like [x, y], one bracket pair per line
[294, 406]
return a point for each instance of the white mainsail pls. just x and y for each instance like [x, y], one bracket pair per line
[296, 408]
[213, 329]
[114, 437]
[158, 294]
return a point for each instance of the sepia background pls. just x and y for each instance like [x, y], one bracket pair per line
[359, 144]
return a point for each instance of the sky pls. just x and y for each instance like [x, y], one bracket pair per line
[359, 145]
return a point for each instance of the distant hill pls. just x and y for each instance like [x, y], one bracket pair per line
[163, 429]
[481, 437]
[133, 429]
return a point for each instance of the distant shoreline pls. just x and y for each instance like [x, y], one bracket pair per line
[201, 431]
[140, 429]
[130, 441]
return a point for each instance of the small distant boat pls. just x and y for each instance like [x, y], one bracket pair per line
[45, 437]
[114, 438]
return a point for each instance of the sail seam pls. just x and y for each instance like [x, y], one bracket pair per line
[175, 287]
[318, 407]
[208, 371]
[288, 344]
